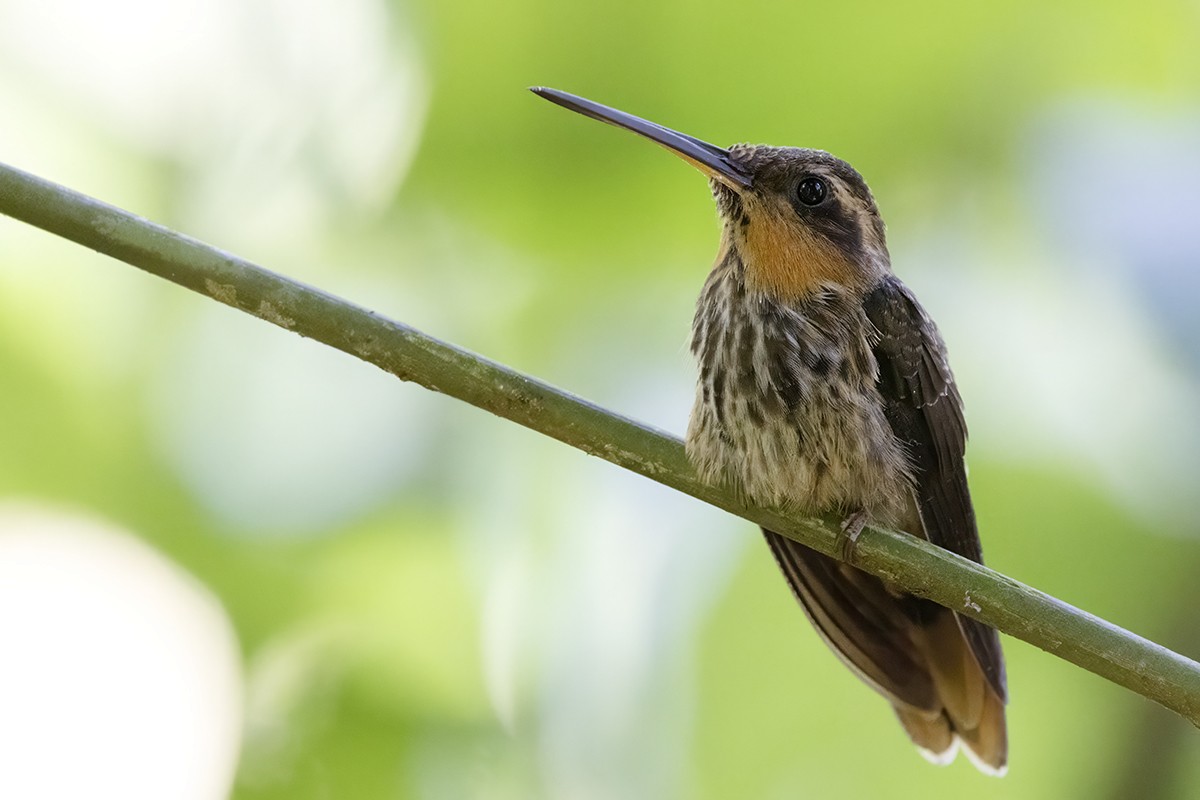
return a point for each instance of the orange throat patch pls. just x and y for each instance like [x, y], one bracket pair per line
[787, 261]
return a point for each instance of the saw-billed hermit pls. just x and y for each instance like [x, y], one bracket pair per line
[824, 388]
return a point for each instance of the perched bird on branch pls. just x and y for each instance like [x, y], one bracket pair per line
[824, 388]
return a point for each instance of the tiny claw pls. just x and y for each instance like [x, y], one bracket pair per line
[852, 527]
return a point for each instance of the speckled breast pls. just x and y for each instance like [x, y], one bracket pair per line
[787, 409]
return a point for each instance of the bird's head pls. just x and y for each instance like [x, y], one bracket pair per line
[798, 219]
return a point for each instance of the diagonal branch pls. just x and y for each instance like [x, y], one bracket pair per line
[913, 564]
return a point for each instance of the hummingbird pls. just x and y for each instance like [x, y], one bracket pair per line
[824, 388]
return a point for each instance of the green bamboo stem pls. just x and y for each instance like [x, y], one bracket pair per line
[923, 569]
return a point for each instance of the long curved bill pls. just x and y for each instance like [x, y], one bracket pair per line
[712, 160]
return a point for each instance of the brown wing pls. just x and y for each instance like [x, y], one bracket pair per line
[924, 409]
[868, 627]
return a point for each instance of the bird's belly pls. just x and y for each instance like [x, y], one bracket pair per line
[832, 452]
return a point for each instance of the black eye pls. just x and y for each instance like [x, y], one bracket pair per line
[811, 191]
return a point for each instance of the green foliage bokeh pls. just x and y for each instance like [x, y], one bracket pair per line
[574, 252]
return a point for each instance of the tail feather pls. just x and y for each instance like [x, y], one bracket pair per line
[911, 651]
[956, 675]
[931, 733]
[987, 743]
[972, 710]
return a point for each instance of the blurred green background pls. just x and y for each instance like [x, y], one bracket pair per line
[388, 594]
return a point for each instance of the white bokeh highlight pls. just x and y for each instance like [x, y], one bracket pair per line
[121, 674]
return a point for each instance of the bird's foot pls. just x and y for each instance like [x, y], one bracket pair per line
[852, 527]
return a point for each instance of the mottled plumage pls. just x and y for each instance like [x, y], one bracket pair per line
[787, 408]
[824, 387]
